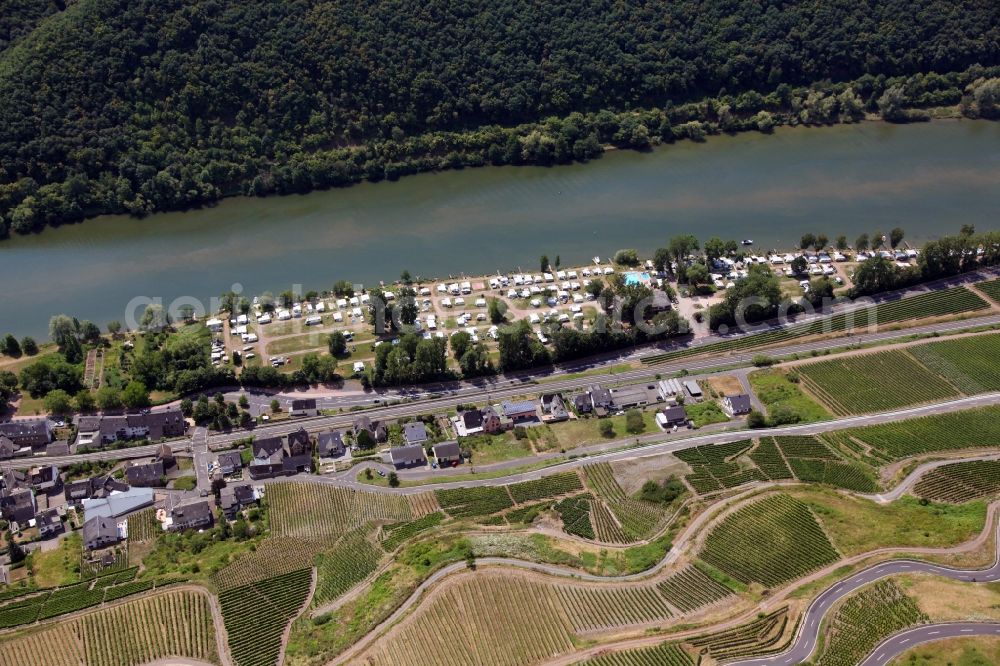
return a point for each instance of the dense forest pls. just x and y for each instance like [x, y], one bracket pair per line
[142, 105]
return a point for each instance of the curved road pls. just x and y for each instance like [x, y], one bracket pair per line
[899, 643]
[809, 628]
[914, 476]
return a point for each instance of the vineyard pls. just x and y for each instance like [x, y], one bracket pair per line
[256, 616]
[991, 289]
[715, 467]
[352, 560]
[422, 504]
[690, 589]
[972, 364]
[575, 515]
[633, 519]
[864, 619]
[311, 511]
[875, 382]
[396, 534]
[941, 432]
[667, 654]
[142, 526]
[771, 541]
[759, 637]
[476, 501]
[110, 586]
[957, 300]
[960, 482]
[596, 608]
[174, 623]
[272, 557]
[712, 467]
[490, 619]
[546, 487]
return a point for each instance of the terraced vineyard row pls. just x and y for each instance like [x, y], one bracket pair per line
[475, 501]
[546, 487]
[972, 364]
[52, 603]
[972, 428]
[667, 654]
[960, 482]
[769, 460]
[638, 519]
[272, 557]
[311, 511]
[575, 514]
[423, 504]
[256, 615]
[759, 637]
[490, 619]
[712, 469]
[771, 541]
[991, 288]
[396, 534]
[956, 300]
[352, 560]
[175, 623]
[600, 608]
[865, 618]
[142, 526]
[690, 589]
[875, 382]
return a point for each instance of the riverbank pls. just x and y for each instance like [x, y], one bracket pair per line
[848, 179]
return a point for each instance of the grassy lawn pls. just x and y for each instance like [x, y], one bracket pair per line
[781, 395]
[972, 651]
[314, 340]
[574, 433]
[488, 449]
[705, 413]
[60, 566]
[856, 525]
[186, 483]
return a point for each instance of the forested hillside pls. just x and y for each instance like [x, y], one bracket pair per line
[141, 105]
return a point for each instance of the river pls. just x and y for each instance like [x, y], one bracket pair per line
[927, 178]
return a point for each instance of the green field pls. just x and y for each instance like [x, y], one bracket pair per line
[784, 400]
[772, 541]
[973, 428]
[972, 363]
[874, 382]
[960, 482]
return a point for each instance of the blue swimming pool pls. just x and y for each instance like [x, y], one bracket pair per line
[635, 277]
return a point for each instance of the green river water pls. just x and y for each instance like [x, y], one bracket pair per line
[927, 178]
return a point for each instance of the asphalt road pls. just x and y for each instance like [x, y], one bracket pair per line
[914, 476]
[899, 643]
[808, 633]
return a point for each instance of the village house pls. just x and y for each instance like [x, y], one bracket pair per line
[553, 408]
[18, 506]
[233, 499]
[33, 434]
[45, 478]
[378, 431]
[196, 515]
[407, 456]
[8, 449]
[414, 433]
[521, 411]
[736, 405]
[475, 421]
[95, 487]
[331, 444]
[49, 523]
[305, 407]
[281, 456]
[95, 432]
[671, 417]
[99, 532]
[146, 475]
[447, 454]
[230, 462]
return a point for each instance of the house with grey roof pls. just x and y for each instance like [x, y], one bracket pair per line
[34, 434]
[736, 405]
[447, 453]
[196, 515]
[407, 456]
[96, 432]
[118, 504]
[330, 444]
[519, 411]
[415, 432]
[230, 462]
[553, 408]
[100, 532]
[49, 523]
[305, 407]
[147, 475]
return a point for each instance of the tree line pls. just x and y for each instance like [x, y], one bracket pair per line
[108, 106]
